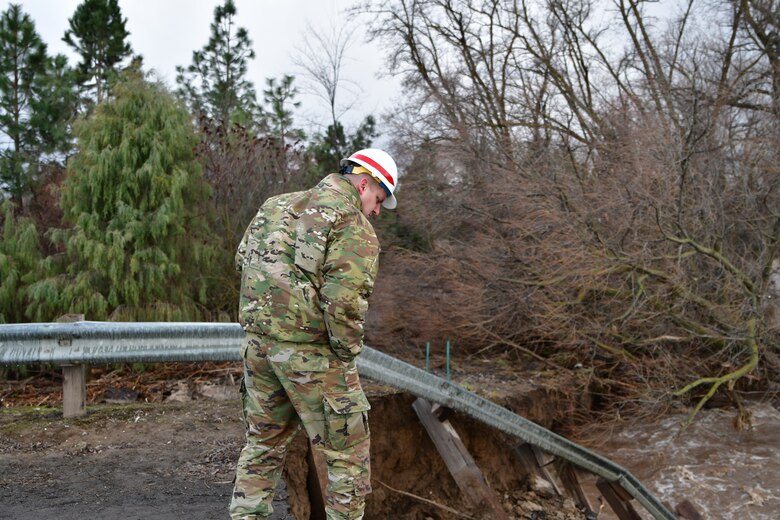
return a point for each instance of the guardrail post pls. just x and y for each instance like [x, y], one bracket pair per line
[533, 460]
[74, 390]
[571, 482]
[74, 380]
[618, 499]
[459, 462]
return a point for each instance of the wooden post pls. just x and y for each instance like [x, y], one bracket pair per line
[533, 460]
[442, 413]
[74, 380]
[571, 482]
[74, 390]
[618, 499]
[459, 462]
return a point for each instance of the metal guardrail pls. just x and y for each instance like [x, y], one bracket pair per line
[394, 372]
[104, 342]
[98, 342]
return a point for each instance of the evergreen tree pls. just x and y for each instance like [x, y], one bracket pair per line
[278, 117]
[54, 106]
[97, 32]
[329, 148]
[36, 100]
[215, 84]
[135, 197]
[19, 257]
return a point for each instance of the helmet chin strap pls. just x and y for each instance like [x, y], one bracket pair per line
[356, 169]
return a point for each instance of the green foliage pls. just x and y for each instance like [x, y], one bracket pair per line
[54, 106]
[364, 135]
[15, 372]
[97, 32]
[23, 58]
[329, 148]
[215, 84]
[36, 100]
[279, 118]
[19, 257]
[135, 196]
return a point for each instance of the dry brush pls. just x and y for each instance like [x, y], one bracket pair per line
[602, 193]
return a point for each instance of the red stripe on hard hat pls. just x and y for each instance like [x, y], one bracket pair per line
[376, 165]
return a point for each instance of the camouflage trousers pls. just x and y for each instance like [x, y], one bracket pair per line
[286, 385]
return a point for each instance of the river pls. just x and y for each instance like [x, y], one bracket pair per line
[726, 474]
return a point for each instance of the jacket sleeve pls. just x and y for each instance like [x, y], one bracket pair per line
[241, 252]
[348, 272]
[252, 229]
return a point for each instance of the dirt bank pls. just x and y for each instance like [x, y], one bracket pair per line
[171, 460]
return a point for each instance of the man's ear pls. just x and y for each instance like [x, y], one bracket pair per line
[362, 185]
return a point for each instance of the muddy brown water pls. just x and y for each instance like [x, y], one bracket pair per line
[727, 474]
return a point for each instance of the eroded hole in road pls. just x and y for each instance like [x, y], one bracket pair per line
[411, 481]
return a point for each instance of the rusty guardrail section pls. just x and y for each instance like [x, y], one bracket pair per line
[89, 342]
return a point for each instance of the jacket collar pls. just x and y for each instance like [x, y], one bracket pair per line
[338, 183]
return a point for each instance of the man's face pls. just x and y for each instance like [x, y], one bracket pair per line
[371, 195]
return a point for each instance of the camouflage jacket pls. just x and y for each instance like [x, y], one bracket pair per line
[308, 262]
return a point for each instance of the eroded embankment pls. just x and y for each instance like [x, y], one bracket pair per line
[410, 479]
[163, 460]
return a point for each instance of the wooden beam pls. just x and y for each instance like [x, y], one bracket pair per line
[532, 459]
[442, 413]
[615, 496]
[542, 457]
[571, 483]
[459, 462]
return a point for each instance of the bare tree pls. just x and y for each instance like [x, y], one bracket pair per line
[243, 171]
[322, 56]
[606, 190]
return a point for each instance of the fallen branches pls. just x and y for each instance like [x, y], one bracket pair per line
[728, 379]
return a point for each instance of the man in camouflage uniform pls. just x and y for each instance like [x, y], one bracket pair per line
[308, 262]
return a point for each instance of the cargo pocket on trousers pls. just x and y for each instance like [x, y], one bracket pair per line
[346, 418]
[308, 363]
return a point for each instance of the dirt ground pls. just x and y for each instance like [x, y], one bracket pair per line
[175, 459]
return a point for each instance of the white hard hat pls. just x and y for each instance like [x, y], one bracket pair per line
[382, 168]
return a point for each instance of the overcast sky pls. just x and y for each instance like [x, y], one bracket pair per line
[166, 32]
